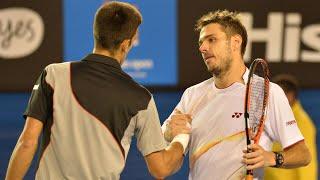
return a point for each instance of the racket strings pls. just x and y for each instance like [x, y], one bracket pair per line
[256, 100]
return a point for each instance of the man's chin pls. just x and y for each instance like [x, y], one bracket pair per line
[210, 69]
[215, 72]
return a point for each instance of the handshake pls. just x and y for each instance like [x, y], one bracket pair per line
[177, 128]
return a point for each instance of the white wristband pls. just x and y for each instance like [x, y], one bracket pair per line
[183, 139]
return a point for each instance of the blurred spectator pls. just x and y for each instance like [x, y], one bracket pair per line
[290, 86]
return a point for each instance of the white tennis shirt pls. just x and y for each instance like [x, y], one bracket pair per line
[218, 128]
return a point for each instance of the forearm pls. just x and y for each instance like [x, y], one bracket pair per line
[166, 162]
[296, 156]
[173, 157]
[21, 159]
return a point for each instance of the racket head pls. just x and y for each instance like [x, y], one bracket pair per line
[256, 99]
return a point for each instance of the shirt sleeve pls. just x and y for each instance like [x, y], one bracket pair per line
[284, 128]
[40, 105]
[148, 131]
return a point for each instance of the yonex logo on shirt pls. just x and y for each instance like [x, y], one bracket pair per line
[291, 122]
[236, 115]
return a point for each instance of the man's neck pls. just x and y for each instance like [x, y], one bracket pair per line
[107, 53]
[234, 74]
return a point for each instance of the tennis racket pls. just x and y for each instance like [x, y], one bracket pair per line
[256, 100]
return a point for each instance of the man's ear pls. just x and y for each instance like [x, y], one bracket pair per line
[125, 45]
[236, 42]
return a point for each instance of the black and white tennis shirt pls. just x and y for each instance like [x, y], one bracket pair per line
[90, 110]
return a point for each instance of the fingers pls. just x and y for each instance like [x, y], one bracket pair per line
[178, 113]
[177, 120]
[179, 123]
[187, 116]
[180, 118]
[254, 157]
[254, 147]
[252, 153]
[180, 127]
[255, 166]
[253, 160]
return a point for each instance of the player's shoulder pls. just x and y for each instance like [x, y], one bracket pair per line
[276, 92]
[136, 92]
[141, 90]
[57, 66]
[202, 86]
[275, 88]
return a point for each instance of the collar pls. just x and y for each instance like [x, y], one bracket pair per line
[102, 59]
[244, 77]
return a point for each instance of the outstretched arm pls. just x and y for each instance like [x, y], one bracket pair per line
[24, 150]
[166, 162]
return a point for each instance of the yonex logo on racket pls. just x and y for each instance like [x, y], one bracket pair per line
[236, 115]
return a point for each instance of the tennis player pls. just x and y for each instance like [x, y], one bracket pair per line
[88, 111]
[217, 144]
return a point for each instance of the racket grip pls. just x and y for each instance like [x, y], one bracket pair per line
[249, 175]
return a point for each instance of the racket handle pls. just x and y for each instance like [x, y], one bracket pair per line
[249, 175]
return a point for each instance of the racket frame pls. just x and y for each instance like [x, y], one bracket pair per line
[256, 138]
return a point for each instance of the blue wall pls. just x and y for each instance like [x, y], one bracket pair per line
[156, 51]
[11, 124]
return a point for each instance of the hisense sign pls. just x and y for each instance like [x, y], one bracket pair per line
[283, 36]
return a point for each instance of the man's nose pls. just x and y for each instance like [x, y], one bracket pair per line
[203, 48]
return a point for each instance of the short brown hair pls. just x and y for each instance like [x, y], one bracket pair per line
[230, 21]
[114, 22]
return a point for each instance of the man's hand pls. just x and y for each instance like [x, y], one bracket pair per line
[177, 124]
[258, 157]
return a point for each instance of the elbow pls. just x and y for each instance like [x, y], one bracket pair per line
[160, 173]
[160, 169]
[307, 158]
[163, 163]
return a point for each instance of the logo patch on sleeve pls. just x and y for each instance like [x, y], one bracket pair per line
[35, 87]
